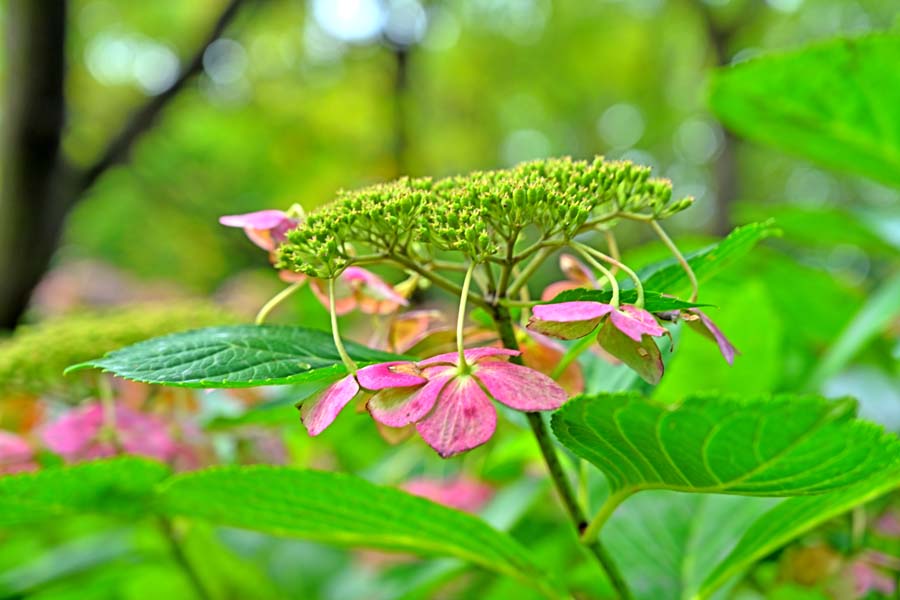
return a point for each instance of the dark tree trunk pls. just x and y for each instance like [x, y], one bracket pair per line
[33, 196]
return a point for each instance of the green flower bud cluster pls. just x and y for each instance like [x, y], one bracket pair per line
[481, 215]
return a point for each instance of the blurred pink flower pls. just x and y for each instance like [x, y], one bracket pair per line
[265, 228]
[867, 578]
[578, 275]
[16, 454]
[360, 288]
[460, 492]
[80, 434]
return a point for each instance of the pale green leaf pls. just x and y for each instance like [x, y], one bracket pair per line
[346, 510]
[837, 103]
[763, 446]
[236, 356]
[121, 486]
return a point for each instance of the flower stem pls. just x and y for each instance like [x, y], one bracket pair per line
[614, 285]
[461, 317]
[277, 299]
[554, 467]
[592, 532]
[638, 286]
[345, 358]
[695, 288]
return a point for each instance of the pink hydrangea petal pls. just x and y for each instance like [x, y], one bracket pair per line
[704, 325]
[472, 355]
[261, 219]
[635, 322]
[291, 277]
[462, 419]
[389, 375]
[568, 320]
[642, 356]
[570, 312]
[397, 407]
[320, 410]
[519, 387]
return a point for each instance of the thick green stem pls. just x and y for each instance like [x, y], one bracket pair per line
[557, 474]
[592, 532]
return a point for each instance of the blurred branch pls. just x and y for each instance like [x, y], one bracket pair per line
[720, 35]
[32, 197]
[119, 148]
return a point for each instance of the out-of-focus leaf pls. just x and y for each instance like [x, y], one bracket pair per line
[882, 307]
[665, 543]
[346, 510]
[121, 486]
[237, 356]
[837, 103]
[668, 276]
[757, 446]
[793, 517]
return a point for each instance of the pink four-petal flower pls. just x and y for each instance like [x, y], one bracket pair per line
[571, 320]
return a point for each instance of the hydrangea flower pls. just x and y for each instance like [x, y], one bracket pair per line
[359, 288]
[449, 405]
[627, 332]
[16, 454]
[265, 228]
[80, 434]
[578, 275]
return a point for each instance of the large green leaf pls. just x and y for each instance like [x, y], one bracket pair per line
[668, 276]
[236, 356]
[118, 486]
[837, 103]
[764, 446]
[346, 510]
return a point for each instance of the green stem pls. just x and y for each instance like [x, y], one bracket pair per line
[523, 277]
[438, 280]
[638, 286]
[554, 467]
[614, 285]
[181, 559]
[277, 299]
[461, 317]
[695, 288]
[345, 358]
[592, 532]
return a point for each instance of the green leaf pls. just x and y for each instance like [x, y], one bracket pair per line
[881, 308]
[236, 356]
[653, 301]
[837, 103]
[668, 276]
[792, 518]
[346, 510]
[762, 446]
[121, 486]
